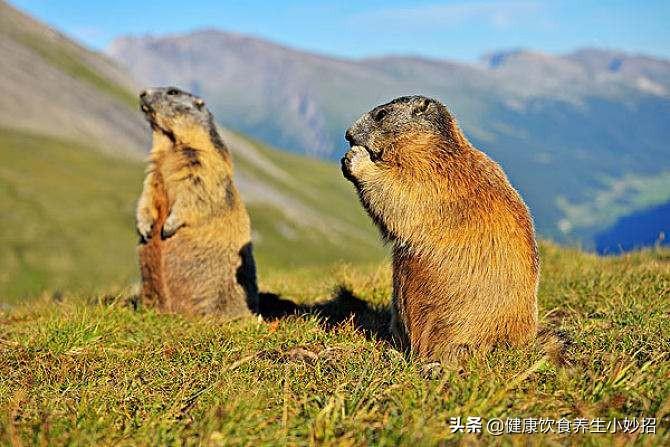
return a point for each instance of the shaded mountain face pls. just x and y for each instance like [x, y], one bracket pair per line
[583, 136]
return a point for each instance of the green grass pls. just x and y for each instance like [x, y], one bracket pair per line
[68, 218]
[86, 370]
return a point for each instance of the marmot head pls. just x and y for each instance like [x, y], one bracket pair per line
[170, 109]
[406, 128]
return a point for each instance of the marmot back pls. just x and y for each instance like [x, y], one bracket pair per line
[195, 251]
[465, 263]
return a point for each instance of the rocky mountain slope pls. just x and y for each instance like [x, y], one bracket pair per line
[51, 85]
[583, 136]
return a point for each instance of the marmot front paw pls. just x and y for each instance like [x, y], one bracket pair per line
[354, 160]
[171, 225]
[144, 225]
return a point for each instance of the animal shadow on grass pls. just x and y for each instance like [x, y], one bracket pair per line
[374, 323]
[342, 307]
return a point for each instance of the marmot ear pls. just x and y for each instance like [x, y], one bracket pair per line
[421, 107]
[199, 103]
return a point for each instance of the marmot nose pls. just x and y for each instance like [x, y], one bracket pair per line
[143, 93]
[349, 136]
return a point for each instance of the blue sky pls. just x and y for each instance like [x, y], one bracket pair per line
[455, 29]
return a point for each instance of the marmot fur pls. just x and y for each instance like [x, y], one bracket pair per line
[195, 248]
[465, 260]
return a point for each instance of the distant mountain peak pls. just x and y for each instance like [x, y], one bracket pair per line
[498, 58]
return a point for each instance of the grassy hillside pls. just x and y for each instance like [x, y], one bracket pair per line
[322, 222]
[67, 212]
[67, 216]
[89, 370]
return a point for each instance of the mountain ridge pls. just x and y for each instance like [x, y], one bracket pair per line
[635, 72]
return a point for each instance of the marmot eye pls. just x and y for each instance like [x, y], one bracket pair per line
[173, 92]
[379, 114]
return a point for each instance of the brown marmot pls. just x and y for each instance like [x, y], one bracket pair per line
[195, 239]
[465, 260]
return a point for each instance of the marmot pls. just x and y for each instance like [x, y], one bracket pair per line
[195, 240]
[465, 259]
